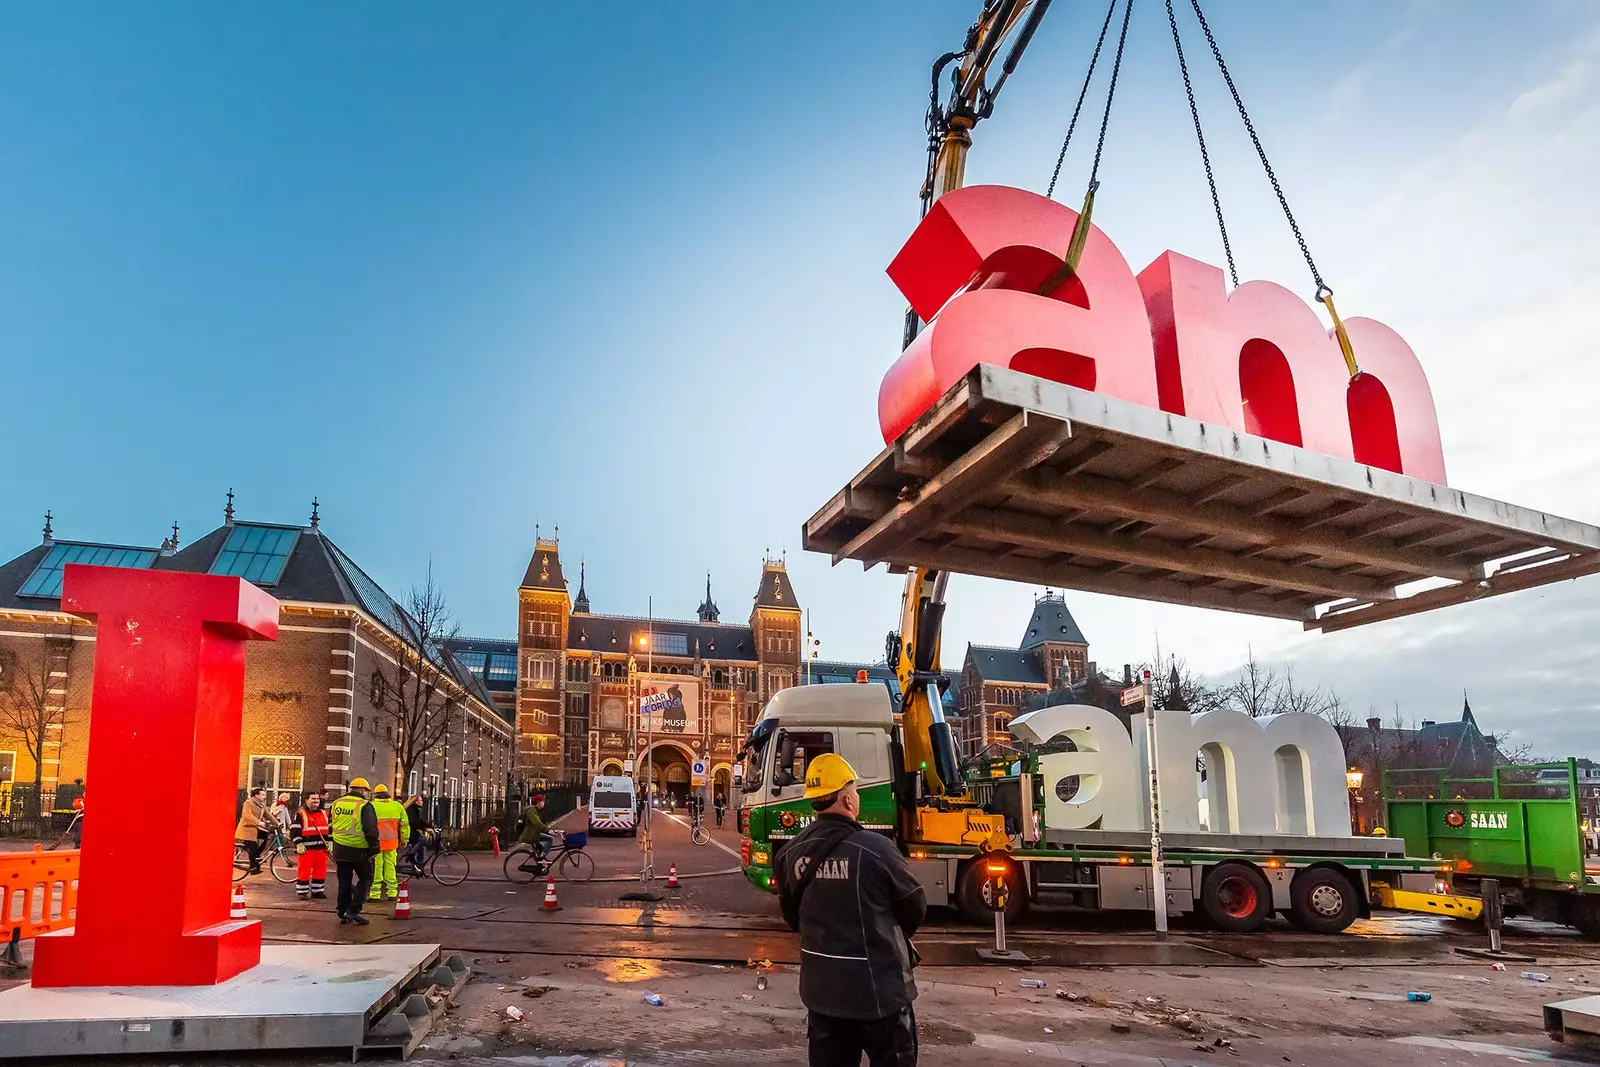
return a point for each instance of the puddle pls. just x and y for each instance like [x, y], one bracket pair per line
[629, 970]
[368, 975]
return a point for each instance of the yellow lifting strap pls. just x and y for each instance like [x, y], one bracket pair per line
[1080, 238]
[1325, 295]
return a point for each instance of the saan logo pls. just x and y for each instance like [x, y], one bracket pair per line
[1490, 820]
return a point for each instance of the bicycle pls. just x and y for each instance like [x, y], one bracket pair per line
[277, 854]
[698, 832]
[567, 858]
[442, 862]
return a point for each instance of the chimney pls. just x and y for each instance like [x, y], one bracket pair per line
[1093, 670]
[1374, 723]
[1428, 722]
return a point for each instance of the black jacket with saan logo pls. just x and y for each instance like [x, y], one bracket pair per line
[855, 918]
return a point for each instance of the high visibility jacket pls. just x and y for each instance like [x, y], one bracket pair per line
[394, 828]
[310, 828]
[352, 823]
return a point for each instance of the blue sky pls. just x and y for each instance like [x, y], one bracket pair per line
[458, 269]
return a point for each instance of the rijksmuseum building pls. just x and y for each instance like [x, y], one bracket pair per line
[573, 679]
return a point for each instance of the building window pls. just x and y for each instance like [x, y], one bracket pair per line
[377, 688]
[473, 661]
[277, 773]
[578, 669]
[502, 667]
[672, 644]
[361, 724]
[412, 781]
[8, 766]
[46, 578]
[256, 553]
[540, 671]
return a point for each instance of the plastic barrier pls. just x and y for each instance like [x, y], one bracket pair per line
[38, 892]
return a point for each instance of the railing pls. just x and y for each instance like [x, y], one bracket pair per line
[38, 893]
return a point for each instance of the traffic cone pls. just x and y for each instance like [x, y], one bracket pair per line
[402, 904]
[672, 877]
[550, 902]
[236, 911]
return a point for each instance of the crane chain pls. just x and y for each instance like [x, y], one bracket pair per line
[1323, 292]
[1082, 93]
[1199, 134]
[1111, 94]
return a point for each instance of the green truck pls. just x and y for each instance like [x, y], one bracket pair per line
[1522, 826]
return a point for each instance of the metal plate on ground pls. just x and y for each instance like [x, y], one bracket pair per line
[299, 997]
[1012, 476]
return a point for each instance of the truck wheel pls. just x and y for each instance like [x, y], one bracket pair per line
[1236, 898]
[1586, 917]
[1322, 901]
[969, 894]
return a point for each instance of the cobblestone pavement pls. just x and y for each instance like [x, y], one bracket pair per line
[579, 976]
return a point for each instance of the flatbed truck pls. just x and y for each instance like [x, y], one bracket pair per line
[1234, 882]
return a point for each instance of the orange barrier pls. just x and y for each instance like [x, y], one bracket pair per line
[38, 892]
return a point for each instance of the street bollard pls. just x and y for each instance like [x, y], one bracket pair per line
[494, 839]
[1494, 915]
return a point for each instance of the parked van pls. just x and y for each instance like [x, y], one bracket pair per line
[612, 807]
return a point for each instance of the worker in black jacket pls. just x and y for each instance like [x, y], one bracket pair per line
[853, 898]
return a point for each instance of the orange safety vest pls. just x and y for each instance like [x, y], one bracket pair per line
[390, 816]
[314, 829]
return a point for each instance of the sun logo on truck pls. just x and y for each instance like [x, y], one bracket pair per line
[1454, 819]
[786, 820]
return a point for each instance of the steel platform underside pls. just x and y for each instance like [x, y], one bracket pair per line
[1016, 477]
[299, 997]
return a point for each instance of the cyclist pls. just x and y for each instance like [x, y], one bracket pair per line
[419, 826]
[534, 831]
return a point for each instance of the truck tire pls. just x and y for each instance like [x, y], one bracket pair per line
[1322, 900]
[1586, 917]
[1235, 897]
[969, 894]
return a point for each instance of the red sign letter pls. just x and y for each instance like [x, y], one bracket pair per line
[168, 704]
[973, 269]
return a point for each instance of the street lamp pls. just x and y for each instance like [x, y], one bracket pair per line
[1352, 781]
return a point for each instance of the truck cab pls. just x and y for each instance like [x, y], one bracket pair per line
[798, 725]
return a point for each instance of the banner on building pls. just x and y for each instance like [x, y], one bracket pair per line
[669, 704]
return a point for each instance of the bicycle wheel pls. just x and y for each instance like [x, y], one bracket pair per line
[449, 867]
[283, 865]
[700, 835]
[241, 863]
[515, 871]
[576, 867]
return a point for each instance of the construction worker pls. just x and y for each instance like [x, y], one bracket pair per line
[309, 830]
[394, 831]
[353, 827]
[855, 902]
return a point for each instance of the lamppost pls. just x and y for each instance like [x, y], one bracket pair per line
[1352, 781]
[812, 644]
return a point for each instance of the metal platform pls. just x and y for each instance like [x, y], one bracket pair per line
[358, 997]
[1576, 1022]
[1012, 476]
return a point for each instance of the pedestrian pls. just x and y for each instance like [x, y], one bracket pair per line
[251, 832]
[721, 805]
[855, 902]
[310, 833]
[282, 817]
[394, 832]
[418, 825]
[353, 826]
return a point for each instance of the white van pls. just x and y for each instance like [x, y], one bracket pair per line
[611, 806]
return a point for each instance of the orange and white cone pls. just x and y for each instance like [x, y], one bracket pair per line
[402, 904]
[672, 877]
[550, 902]
[236, 911]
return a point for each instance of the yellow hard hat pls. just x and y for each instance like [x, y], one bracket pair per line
[828, 774]
[359, 783]
[381, 789]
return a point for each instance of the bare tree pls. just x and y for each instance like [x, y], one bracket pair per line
[1257, 691]
[1174, 685]
[33, 705]
[417, 695]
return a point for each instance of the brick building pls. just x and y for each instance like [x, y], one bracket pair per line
[999, 683]
[580, 676]
[314, 709]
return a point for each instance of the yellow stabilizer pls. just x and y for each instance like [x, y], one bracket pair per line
[1431, 903]
[961, 827]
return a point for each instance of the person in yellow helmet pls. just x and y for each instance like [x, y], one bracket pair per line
[855, 902]
[394, 830]
[353, 825]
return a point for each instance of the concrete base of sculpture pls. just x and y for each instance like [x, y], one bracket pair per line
[1576, 1022]
[300, 997]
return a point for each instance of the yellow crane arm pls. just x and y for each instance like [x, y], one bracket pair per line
[929, 745]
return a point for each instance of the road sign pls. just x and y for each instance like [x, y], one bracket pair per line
[627, 766]
[1133, 694]
[697, 772]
